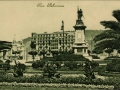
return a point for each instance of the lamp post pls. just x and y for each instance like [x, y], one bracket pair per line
[62, 28]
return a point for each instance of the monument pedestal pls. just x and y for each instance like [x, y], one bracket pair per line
[80, 49]
[80, 46]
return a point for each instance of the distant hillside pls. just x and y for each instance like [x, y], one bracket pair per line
[90, 34]
[26, 40]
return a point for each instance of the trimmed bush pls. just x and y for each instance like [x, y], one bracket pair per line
[114, 66]
[38, 64]
[70, 57]
[95, 57]
[19, 69]
[65, 57]
[112, 58]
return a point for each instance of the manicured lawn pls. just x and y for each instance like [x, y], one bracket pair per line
[110, 74]
[103, 61]
[38, 88]
[38, 71]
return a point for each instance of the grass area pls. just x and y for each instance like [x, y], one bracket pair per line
[103, 61]
[110, 74]
[35, 71]
[31, 70]
[39, 88]
[71, 72]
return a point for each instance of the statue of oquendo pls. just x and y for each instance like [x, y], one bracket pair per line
[80, 14]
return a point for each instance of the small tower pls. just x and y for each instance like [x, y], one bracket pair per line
[80, 46]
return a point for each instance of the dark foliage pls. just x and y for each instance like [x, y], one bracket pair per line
[109, 50]
[33, 45]
[16, 52]
[49, 70]
[109, 39]
[43, 52]
[5, 45]
[33, 53]
[95, 57]
[38, 64]
[89, 70]
[114, 66]
[70, 57]
[71, 65]
[54, 53]
[19, 69]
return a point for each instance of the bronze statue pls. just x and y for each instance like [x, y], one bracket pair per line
[80, 14]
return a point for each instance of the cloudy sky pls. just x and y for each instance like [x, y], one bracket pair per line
[20, 18]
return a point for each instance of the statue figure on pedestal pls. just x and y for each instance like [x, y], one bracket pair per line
[80, 14]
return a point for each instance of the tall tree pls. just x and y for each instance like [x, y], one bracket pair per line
[33, 45]
[33, 52]
[109, 39]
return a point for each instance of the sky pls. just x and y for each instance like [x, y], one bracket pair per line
[18, 19]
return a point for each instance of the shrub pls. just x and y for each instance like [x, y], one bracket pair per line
[38, 64]
[54, 53]
[112, 58]
[35, 65]
[19, 69]
[33, 53]
[113, 66]
[117, 85]
[71, 65]
[90, 69]
[49, 70]
[95, 57]
[58, 64]
[49, 58]
[70, 57]
[64, 69]
[98, 81]
[7, 64]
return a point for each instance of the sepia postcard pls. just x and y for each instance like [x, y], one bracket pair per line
[59, 44]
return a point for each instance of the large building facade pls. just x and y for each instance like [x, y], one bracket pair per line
[54, 41]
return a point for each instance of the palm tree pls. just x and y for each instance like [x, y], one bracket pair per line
[109, 39]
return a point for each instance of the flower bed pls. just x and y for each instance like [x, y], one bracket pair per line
[64, 81]
[64, 85]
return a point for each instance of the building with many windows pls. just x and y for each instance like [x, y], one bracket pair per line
[54, 41]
